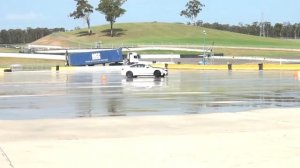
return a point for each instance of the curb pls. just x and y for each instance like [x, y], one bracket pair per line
[65, 69]
[231, 67]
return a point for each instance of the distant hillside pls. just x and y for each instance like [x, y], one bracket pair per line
[161, 34]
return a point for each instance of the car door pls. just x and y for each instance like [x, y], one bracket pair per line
[142, 69]
[137, 70]
[134, 69]
[148, 70]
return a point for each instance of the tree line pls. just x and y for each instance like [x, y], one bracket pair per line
[19, 36]
[265, 29]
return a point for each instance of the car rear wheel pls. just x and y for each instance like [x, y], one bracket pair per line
[157, 73]
[129, 74]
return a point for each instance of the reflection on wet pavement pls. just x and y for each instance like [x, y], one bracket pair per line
[35, 95]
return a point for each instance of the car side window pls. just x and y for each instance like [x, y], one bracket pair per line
[139, 66]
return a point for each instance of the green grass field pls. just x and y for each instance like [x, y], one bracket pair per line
[9, 50]
[6, 62]
[164, 33]
[260, 53]
[131, 34]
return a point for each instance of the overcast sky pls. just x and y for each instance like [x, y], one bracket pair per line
[54, 13]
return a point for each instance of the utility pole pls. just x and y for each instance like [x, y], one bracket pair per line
[204, 50]
[262, 31]
[296, 30]
[204, 36]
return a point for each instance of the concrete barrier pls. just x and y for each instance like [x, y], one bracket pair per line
[187, 67]
[282, 67]
[234, 67]
[245, 67]
[1, 74]
[193, 67]
[72, 69]
[1, 71]
[63, 68]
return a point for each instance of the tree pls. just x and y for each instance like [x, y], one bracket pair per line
[193, 8]
[5, 37]
[112, 10]
[83, 10]
[17, 36]
[296, 31]
[278, 29]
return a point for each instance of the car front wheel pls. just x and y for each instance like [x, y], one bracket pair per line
[129, 74]
[157, 73]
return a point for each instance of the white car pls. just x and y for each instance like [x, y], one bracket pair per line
[143, 70]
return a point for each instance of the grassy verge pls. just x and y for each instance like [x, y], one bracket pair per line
[260, 53]
[9, 50]
[6, 62]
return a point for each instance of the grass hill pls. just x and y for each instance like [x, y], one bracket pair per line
[164, 34]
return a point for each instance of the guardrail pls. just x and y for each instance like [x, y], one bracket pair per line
[2, 71]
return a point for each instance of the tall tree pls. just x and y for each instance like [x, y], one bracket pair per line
[193, 8]
[4, 36]
[83, 10]
[278, 29]
[296, 30]
[268, 28]
[112, 10]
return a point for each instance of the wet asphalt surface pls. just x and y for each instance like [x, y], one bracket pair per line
[43, 95]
